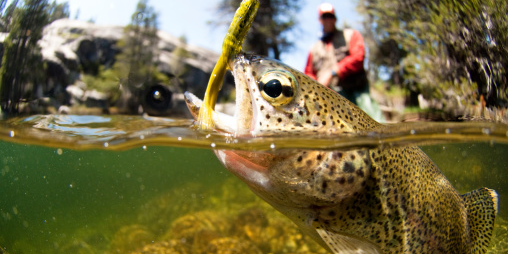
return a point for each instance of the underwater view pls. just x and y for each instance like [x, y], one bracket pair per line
[133, 184]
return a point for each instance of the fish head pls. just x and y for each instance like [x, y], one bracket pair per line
[273, 98]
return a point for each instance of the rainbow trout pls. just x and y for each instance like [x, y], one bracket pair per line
[353, 201]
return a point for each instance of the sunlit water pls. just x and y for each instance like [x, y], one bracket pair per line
[124, 184]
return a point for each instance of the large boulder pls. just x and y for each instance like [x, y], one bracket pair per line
[72, 48]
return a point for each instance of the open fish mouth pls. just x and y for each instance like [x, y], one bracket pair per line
[241, 121]
[222, 121]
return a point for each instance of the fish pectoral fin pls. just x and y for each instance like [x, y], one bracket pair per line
[343, 244]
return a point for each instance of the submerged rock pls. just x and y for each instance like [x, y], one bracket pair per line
[198, 229]
[79, 247]
[159, 213]
[130, 238]
[231, 245]
[165, 247]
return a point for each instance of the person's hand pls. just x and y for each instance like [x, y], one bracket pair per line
[325, 79]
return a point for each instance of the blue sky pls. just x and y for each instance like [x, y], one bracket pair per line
[189, 18]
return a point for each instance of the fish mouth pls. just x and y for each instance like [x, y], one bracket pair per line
[222, 121]
[240, 122]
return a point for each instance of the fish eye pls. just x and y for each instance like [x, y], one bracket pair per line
[277, 87]
[273, 88]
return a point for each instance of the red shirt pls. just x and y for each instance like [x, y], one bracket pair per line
[351, 64]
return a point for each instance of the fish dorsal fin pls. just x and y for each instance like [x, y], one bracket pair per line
[481, 205]
[343, 244]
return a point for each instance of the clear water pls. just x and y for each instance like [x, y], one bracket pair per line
[123, 184]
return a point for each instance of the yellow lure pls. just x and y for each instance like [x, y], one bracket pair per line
[231, 46]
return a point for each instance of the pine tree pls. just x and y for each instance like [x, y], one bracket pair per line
[442, 46]
[270, 32]
[139, 47]
[58, 11]
[22, 61]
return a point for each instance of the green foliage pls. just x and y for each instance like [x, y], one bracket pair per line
[136, 65]
[106, 82]
[439, 47]
[58, 11]
[7, 14]
[270, 32]
[21, 63]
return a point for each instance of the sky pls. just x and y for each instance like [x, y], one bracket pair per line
[189, 18]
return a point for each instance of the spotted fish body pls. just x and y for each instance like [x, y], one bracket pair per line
[356, 201]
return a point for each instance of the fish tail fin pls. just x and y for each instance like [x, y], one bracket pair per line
[481, 205]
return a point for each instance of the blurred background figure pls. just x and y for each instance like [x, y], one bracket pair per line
[336, 61]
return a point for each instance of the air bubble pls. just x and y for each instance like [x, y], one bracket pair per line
[486, 131]
[212, 145]
[11, 134]
[413, 132]
[179, 138]
[59, 151]
[272, 146]
[106, 144]
[144, 148]
[448, 131]
[141, 136]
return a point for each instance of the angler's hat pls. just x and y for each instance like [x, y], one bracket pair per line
[326, 8]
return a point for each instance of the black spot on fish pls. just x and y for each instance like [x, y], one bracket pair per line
[350, 179]
[348, 167]
[287, 91]
[340, 180]
[324, 185]
[332, 169]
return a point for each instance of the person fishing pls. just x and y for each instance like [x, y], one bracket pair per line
[336, 61]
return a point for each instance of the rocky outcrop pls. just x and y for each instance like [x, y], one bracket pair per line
[71, 48]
